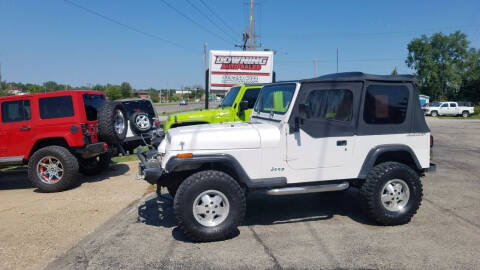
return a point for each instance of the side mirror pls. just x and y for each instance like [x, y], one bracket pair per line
[243, 105]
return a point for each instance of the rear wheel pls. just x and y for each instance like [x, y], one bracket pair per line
[392, 193]
[465, 114]
[52, 169]
[95, 165]
[209, 205]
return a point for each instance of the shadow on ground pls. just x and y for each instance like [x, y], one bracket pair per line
[267, 210]
[17, 178]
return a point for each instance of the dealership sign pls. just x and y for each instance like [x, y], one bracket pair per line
[229, 68]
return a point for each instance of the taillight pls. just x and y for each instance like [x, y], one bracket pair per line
[431, 141]
[157, 123]
[84, 128]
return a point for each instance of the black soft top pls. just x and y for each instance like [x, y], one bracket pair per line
[360, 76]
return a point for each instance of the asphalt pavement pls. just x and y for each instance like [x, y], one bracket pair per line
[314, 231]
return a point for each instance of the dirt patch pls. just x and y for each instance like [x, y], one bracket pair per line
[37, 226]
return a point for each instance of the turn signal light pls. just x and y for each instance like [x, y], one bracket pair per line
[185, 155]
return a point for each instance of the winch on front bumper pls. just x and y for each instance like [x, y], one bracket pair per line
[149, 168]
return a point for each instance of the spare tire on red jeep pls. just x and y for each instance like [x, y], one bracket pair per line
[112, 122]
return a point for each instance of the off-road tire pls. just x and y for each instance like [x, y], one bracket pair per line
[95, 165]
[70, 168]
[106, 122]
[194, 185]
[372, 188]
[133, 123]
[434, 113]
[465, 114]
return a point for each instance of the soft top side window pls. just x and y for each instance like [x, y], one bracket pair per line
[385, 104]
[16, 111]
[332, 104]
[55, 107]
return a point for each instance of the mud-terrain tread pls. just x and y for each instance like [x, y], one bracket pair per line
[102, 164]
[106, 128]
[205, 177]
[69, 162]
[374, 182]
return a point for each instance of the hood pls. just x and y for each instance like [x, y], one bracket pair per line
[222, 136]
[203, 115]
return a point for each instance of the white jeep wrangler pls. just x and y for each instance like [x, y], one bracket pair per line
[315, 135]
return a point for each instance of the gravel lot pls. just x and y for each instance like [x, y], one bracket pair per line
[37, 226]
[315, 231]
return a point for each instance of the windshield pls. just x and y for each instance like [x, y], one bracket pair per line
[230, 97]
[275, 98]
[435, 104]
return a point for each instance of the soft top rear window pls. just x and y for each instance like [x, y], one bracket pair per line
[92, 105]
[133, 106]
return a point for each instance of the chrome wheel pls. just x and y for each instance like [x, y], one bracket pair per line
[211, 208]
[119, 122]
[395, 195]
[142, 122]
[50, 170]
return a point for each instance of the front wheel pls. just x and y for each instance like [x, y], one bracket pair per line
[209, 205]
[52, 169]
[392, 193]
[434, 114]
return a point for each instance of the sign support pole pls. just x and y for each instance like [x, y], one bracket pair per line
[207, 92]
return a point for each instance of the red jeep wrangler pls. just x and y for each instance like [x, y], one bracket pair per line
[60, 133]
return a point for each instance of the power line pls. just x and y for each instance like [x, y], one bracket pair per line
[134, 29]
[386, 33]
[193, 21]
[342, 61]
[218, 16]
[210, 20]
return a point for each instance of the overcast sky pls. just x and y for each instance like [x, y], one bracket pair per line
[149, 44]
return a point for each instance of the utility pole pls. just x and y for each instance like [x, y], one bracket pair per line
[315, 67]
[205, 71]
[251, 26]
[337, 60]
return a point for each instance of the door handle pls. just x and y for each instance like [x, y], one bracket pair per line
[342, 143]
[25, 128]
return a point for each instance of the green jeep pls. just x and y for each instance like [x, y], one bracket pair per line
[236, 106]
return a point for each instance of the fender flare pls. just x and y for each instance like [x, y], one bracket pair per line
[380, 149]
[230, 161]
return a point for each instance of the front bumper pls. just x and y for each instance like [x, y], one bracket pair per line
[92, 150]
[149, 168]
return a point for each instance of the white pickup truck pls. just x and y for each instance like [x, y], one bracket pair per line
[447, 108]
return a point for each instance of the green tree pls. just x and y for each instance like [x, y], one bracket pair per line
[99, 87]
[51, 86]
[154, 96]
[127, 90]
[470, 90]
[439, 63]
[394, 71]
[113, 92]
[34, 88]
